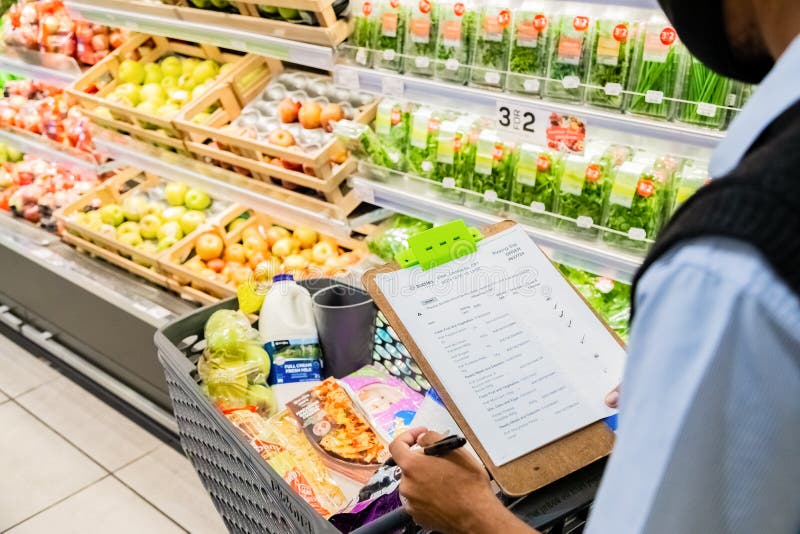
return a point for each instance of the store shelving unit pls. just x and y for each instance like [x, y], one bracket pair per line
[316, 56]
[29, 143]
[56, 69]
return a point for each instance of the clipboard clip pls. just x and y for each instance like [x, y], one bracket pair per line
[440, 245]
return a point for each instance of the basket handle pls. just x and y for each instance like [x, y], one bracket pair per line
[390, 522]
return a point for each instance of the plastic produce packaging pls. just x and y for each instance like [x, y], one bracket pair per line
[282, 443]
[654, 71]
[569, 55]
[423, 140]
[364, 144]
[421, 36]
[494, 167]
[529, 43]
[456, 41]
[366, 24]
[706, 95]
[583, 193]
[234, 366]
[536, 181]
[609, 298]
[455, 153]
[392, 236]
[609, 65]
[392, 127]
[490, 60]
[687, 181]
[390, 35]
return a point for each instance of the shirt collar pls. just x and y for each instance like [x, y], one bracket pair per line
[777, 93]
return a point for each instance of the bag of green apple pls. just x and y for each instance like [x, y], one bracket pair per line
[234, 366]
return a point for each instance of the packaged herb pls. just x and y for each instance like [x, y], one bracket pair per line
[705, 96]
[654, 72]
[569, 53]
[392, 236]
[490, 60]
[635, 205]
[536, 180]
[616, 155]
[583, 193]
[609, 65]
[493, 171]
[455, 154]
[687, 182]
[610, 298]
[391, 127]
[365, 28]
[390, 35]
[668, 166]
[456, 40]
[363, 143]
[422, 32]
[528, 58]
[423, 141]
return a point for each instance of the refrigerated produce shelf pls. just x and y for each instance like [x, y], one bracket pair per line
[46, 149]
[406, 194]
[169, 24]
[56, 69]
[685, 139]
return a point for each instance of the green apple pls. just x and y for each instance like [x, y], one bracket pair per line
[128, 227]
[187, 83]
[131, 72]
[191, 220]
[171, 67]
[201, 118]
[107, 230]
[225, 68]
[197, 200]
[112, 214]
[178, 96]
[169, 82]
[153, 93]
[13, 154]
[149, 226]
[288, 13]
[206, 71]
[201, 89]
[103, 112]
[167, 242]
[153, 208]
[129, 92]
[173, 213]
[188, 65]
[268, 10]
[131, 239]
[94, 220]
[170, 229]
[149, 247]
[147, 108]
[153, 73]
[168, 110]
[175, 192]
[201, 4]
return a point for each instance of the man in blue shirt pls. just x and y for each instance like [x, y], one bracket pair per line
[709, 425]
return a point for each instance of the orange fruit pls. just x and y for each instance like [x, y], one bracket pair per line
[236, 253]
[216, 265]
[254, 245]
[208, 246]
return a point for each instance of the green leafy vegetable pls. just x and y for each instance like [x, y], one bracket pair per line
[392, 128]
[455, 155]
[423, 141]
[528, 58]
[655, 71]
[707, 94]
[494, 166]
[583, 193]
[536, 182]
[456, 42]
[610, 63]
[566, 66]
[362, 142]
[365, 29]
[421, 39]
[392, 236]
[490, 61]
[609, 298]
[390, 35]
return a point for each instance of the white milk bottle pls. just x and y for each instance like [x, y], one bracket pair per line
[286, 325]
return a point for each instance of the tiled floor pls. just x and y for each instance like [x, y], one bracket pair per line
[72, 464]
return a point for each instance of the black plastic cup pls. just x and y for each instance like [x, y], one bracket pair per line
[345, 318]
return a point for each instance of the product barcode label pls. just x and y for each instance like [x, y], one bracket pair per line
[388, 55]
[706, 110]
[422, 62]
[654, 97]
[492, 77]
[537, 207]
[637, 234]
[361, 56]
[613, 89]
[449, 182]
[451, 64]
[584, 222]
[571, 82]
[490, 196]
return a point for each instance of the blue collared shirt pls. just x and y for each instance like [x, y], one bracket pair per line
[709, 423]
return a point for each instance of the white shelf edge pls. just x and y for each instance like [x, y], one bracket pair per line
[560, 248]
[214, 180]
[31, 64]
[484, 102]
[317, 56]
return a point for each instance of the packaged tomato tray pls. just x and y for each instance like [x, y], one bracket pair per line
[569, 55]
[609, 66]
[654, 71]
[421, 36]
[528, 57]
[490, 60]
[456, 40]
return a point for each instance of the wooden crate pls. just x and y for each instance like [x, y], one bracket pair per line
[98, 82]
[211, 141]
[173, 261]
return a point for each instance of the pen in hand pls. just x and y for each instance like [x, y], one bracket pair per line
[440, 448]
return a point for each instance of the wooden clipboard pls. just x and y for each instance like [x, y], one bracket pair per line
[536, 469]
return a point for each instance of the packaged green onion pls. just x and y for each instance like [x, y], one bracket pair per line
[390, 35]
[536, 182]
[609, 65]
[365, 28]
[423, 141]
[569, 54]
[457, 27]
[494, 167]
[635, 205]
[421, 35]
[528, 57]
[705, 95]
[654, 72]
[391, 127]
[583, 193]
[490, 60]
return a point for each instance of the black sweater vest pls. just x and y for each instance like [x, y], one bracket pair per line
[757, 203]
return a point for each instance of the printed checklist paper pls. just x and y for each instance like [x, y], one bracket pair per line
[520, 353]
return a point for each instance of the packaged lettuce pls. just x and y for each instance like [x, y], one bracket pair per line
[392, 235]
[569, 53]
[365, 27]
[654, 71]
[583, 193]
[528, 57]
[457, 20]
[422, 32]
[390, 35]
[455, 154]
[490, 60]
[391, 127]
[536, 180]
[704, 95]
[423, 140]
[635, 205]
[609, 65]
[494, 167]
[687, 181]
[609, 298]
[363, 143]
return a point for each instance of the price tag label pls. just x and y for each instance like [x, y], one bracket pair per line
[422, 62]
[571, 82]
[391, 86]
[521, 119]
[613, 89]
[346, 78]
[654, 97]
[449, 182]
[362, 56]
[706, 110]
[584, 221]
[451, 64]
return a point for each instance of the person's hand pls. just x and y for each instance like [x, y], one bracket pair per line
[612, 399]
[450, 494]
